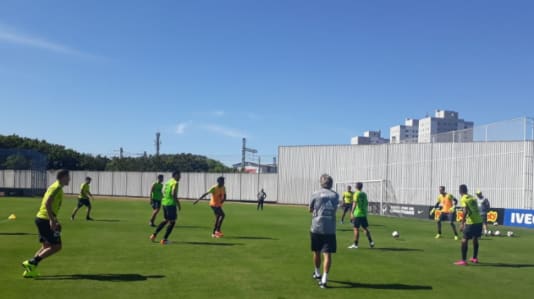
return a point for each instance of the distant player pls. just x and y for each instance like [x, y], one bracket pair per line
[83, 200]
[169, 202]
[323, 206]
[156, 194]
[447, 205]
[483, 207]
[471, 225]
[48, 224]
[358, 216]
[261, 198]
[347, 202]
[218, 197]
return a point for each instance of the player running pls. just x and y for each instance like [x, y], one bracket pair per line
[347, 202]
[447, 205]
[471, 225]
[156, 194]
[48, 224]
[169, 202]
[358, 216]
[83, 199]
[218, 197]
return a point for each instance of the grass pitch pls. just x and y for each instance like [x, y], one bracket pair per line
[263, 255]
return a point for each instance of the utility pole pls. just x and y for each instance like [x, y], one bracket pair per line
[121, 153]
[244, 150]
[157, 143]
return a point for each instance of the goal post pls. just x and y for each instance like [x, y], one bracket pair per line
[376, 190]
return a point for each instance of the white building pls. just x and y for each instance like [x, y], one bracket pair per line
[445, 126]
[409, 132]
[369, 137]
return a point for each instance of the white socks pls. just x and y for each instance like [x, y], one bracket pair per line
[317, 272]
[324, 278]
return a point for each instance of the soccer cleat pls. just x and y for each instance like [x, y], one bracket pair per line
[438, 236]
[219, 233]
[353, 246]
[30, 270]
[151, 224]
[215, 236]
[315, 276]
[372, 244]
[455, 238]
[152, 238]
[27, 274]
[89, 219]
[322, 285]
[474, 260]
[72, 218]
[461, 263]
[164, 242]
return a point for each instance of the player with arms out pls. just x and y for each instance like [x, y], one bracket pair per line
[358, 216]
[48, 224]
[471, 226]
[156, 194]
[169, 202]
[347, 202]
[323, 206]
[447, 205]
[83, 200]
[218, 197]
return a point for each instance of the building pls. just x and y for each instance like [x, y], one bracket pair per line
[369, 137]
[407, 133]
[251, 167]
[445, 126]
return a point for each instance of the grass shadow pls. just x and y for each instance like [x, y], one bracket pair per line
[251, 238]
[397, 249]
[178, 226]
[210, 243]
[102, 277]
[379, 286]
[505, 265]
[17, 234]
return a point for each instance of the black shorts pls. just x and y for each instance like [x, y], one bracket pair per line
[84, 202]
[170, 213]
[323, 243]
[472, 231]
[218, 211]
[46, 234]
[360, 221]
[156, 204]
[451, 217]
[346, 207]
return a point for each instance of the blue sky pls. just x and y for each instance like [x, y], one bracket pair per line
[98, 75]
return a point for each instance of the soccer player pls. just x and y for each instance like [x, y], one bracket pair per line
[483, 208]
[323, 206]
[358, 216]
[261, 198]
[471, 225]
[83, 200]
[218, 197]
[48, 224]
[347, 202]
[169, 202]
[447, 205]
[155, 198]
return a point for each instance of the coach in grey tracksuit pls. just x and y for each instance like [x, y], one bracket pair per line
[323, 206]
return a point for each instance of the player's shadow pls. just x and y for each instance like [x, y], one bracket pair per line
[378, 286]
[17, 234]
[107, 220]
[102, 277]
[505, 265]
[210, 243]
[251, 238]
[178, 226]
[397, 249]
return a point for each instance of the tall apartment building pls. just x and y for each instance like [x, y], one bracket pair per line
[369, 137]
[445, 126]
[407, 133]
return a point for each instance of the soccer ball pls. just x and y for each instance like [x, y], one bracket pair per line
[497, 233]
[489, 233]
[510, 233]
[495, 224]
[395, 234]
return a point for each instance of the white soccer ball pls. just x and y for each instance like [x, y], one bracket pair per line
[395, 234]
[510, 233]
[497, 233]
[495, 224]
[489, 233]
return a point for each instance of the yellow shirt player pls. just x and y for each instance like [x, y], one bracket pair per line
[218, 197]
[347, 202]
[446, 204]
[83, 199]
[48, 224]
[170, 204]
[471, 226]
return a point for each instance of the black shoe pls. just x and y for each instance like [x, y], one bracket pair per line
[89, 219]
[322, 285]
[315, 276]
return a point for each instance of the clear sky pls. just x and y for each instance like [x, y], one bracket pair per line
[98, 75]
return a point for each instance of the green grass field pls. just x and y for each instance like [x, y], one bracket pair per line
[263, 255]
